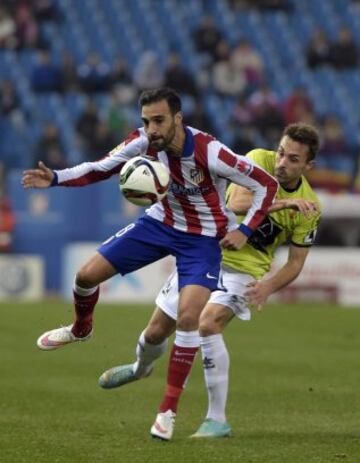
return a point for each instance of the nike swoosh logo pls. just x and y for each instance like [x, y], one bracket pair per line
[211, 276]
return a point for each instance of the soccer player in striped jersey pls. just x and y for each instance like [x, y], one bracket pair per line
[191, 222]
[292, 217]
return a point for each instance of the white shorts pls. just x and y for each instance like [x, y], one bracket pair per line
[234, 282]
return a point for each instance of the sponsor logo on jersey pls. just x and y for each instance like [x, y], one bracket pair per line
[181, 190]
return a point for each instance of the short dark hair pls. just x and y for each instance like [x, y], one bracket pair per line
[148, 97]
[305, 134]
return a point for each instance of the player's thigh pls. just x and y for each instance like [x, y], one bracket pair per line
[214, 318]
[131, 248]
[168, 297]
[160, 327]
[192, 300]
[96, 270]
[233, 298]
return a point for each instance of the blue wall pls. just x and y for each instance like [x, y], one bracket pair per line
[48, 219]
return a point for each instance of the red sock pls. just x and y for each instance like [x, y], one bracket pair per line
[180, 363]
[84, 308]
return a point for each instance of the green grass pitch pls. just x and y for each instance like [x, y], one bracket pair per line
[294, 390]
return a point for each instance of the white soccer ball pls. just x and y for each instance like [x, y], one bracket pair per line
[144, 182]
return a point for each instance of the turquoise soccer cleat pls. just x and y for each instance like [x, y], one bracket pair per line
[211, 428]
[119, 376]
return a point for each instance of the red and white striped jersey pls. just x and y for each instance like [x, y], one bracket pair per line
[195, 202]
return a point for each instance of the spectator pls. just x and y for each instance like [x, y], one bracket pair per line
[46, 76]
[27, 29]
[122, 82]
[49, 148]
[296, 106]
[199, 118]
[242, 113]
[102, 142]
[344, 53]
[266, 112]
[245, 139]
[116, 118]
[249, 62]
[148, 73]
[94, 74]
[7, 225]
[10, 105]
[87, 123]
[226, 80]
[46, 10]
[70, 78]
[7, 30]
[336, 154]
[178, 78]
[207, 37]
[318, 49]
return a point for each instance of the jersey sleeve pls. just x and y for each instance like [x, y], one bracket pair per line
[245, 172]
[305, 233]
[91, 172]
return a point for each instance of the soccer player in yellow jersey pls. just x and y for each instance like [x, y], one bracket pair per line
[292, 219]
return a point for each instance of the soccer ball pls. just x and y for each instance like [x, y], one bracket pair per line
[143, 181]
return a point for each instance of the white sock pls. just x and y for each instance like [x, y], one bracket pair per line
[187, 338]
[216, 371]
[83, 291]
[146, 355]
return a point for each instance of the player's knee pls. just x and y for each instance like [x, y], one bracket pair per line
[84, 279]
[187, 322]
[155, 334]
[208, 326]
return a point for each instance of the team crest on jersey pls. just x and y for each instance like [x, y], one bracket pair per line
[197, 175]
[244, 167]
[117, 148]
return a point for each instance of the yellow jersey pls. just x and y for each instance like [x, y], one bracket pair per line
[277, 228]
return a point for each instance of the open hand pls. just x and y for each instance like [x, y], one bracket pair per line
[37, 178]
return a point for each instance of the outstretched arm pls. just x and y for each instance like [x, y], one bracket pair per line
[259, 291]
[240, 200]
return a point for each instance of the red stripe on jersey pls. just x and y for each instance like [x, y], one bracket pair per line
[91, 177]
[212, 196]
[151, 152]
[227, 158]
[169, 217]
[191, 216]
[270, 183]
[132, 136]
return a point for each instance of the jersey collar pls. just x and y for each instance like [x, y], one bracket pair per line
[292, 190]
[189, 144]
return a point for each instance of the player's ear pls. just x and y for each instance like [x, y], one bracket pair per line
[178, 118]
[310, 165]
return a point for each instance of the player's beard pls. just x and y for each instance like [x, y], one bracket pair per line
[163, 142]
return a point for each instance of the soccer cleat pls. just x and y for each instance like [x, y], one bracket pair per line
[212, 428]
[59, 337]
[163, 427]
[119, 376]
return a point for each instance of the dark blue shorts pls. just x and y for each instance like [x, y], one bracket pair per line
[198, 257]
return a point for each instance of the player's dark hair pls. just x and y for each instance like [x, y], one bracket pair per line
[148, 97]
[305, 134]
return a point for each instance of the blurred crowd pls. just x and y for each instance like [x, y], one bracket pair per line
[234, 73]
